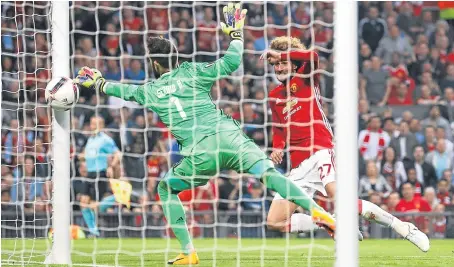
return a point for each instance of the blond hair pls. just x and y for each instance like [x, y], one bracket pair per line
[284, 43]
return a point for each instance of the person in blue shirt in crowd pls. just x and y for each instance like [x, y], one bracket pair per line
[98, 149]
[135, 73]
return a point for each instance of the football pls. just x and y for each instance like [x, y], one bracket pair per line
[61, 93]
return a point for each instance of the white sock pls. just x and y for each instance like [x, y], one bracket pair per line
[372, 212]
[302, 223]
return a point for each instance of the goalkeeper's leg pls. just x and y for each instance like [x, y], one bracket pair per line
[168, 190]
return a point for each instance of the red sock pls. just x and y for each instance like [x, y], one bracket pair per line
[360, 206]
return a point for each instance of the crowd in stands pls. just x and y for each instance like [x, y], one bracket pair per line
[406, 89]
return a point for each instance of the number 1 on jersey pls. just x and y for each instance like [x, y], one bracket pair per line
[177, 103]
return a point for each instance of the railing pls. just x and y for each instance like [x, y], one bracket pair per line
[248, 224]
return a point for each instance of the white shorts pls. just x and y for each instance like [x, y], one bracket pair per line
[314, 173]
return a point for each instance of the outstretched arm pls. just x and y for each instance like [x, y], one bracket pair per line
[233, 27]
[92, 79]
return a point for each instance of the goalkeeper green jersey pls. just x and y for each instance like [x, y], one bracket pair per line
[182, 99]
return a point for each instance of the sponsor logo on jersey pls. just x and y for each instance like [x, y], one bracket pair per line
[169, 89]
[289, 105]
[293, 88]
[289, 108]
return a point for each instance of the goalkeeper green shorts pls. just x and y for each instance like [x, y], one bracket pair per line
[231, 150]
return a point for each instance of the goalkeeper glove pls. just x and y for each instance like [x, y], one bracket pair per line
[91, 79]
[234, 21]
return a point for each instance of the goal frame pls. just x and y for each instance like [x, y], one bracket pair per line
[346, 103]
[61, 207]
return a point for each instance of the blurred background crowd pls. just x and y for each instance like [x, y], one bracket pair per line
[405, 109]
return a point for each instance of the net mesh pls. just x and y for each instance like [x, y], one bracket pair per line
[111, 36]
[26, 186]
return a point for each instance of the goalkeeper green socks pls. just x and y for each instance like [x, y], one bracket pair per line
[288, 189]
[175, 215]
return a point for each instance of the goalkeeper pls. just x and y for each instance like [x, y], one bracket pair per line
[209, 140]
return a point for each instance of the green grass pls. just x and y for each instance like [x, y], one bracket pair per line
[232, 252]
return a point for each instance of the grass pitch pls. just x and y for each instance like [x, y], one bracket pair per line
[230, 252]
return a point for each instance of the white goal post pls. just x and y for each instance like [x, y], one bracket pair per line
[61, 247]
[346, 102]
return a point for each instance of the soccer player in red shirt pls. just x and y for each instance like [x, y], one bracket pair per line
[300, 124]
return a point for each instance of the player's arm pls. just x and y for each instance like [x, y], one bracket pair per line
[293, 55]
[233, 27]
[92, 79]
[279, 136]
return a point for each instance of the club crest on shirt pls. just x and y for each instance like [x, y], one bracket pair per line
[293, 88]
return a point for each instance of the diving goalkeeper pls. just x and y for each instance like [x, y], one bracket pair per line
[209, 140]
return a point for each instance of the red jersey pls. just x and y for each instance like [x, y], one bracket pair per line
[298, 118]
[444, 198]
[416, 204]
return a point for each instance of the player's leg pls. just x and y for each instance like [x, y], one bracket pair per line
[374, 213]
[190, 172]
[245, 156]
[174, 212]
[88, 195]
[281, 217]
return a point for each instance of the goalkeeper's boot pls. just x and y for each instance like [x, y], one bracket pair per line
[410, 232]
[324, 220]
[183, 259]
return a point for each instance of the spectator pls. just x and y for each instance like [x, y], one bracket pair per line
[439, 223]
[405, 143]
[135, 73]
[411, 203]
[28, 181]
[374, 83]
[448, 98]
[436, 120]
[110, 44]
[364, 114]
[448, 81]
[441, 134]
[206, 200]
[373, 140]
[113, 72]
[365, 53]
[253, 199]
[440, 158]
[426, 96]
[206, 28]
[183, 40]
[132, 26]
[431, 197]
[415, 128]
[390, 127]
[391, 168]
[443, 195]
[429, 139]
[393, 200]
[426, 79]
[394, 42]
[372, 182]
[428, 23]
[412, 179]
[403, 97]
[372, 29]
[425, 171]
[262, 43]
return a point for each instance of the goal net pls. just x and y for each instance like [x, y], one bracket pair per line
[226, 217]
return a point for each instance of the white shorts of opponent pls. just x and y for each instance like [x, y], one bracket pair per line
[314, 173]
